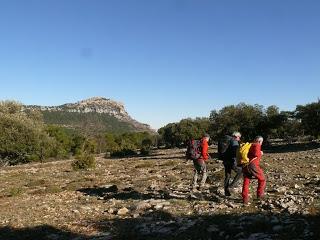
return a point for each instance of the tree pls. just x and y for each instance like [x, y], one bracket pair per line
[242, 117]
[64, 143]
[146, 146]
[22, 136]
[177, 134]
[309, 115]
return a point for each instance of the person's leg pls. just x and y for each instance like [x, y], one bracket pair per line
[257, 172]
[195, 179]
[227, 171]
[261, 183]
[245, 189]
[238, 171]
[204, 174]
[195, 176]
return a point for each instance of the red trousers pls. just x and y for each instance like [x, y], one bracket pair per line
[251, 171]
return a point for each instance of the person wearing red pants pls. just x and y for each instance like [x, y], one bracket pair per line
[253, 170]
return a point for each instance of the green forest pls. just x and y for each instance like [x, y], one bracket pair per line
[250, 120]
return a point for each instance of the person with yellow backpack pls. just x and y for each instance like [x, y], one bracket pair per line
[248, 157]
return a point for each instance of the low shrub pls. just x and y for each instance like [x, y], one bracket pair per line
[84, 161]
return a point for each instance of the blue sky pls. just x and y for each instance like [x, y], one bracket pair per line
[165, 59]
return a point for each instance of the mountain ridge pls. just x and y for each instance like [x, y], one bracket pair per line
[99, 106]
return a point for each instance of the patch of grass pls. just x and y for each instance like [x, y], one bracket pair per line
[145, 164]
[36, 183]
[15, 191]
[180, 202]
[53, 189]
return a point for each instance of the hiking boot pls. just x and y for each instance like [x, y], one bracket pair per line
[227, 193]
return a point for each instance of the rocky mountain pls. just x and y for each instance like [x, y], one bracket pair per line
[92, 115]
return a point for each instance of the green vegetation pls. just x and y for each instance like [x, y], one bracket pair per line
[87, 123]
[250, 120]
[24, 137]
[127, 144]
[84, 161]
[310, 118]
[176, 134]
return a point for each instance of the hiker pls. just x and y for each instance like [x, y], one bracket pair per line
[200, 167]
[230, 162]
[253, 170]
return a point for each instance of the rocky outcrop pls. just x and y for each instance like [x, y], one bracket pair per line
[99, 105]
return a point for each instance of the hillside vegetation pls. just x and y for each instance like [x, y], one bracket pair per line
[250, 120]
[25, 137]
[90, 123]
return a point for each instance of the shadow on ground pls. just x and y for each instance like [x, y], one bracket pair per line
[44, 232]
[112, 192]
[247, 226]
[163, 225]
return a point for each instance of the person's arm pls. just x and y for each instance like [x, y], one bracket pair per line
[233, 149]
[256, 152]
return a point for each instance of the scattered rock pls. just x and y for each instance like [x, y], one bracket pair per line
[76, 211]
[123, 211]
[282, 189]
[112, 211]
[142, 206]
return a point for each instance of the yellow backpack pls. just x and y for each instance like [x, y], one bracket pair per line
[242, 154]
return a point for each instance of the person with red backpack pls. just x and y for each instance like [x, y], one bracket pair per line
[199, 161]
[253, 170]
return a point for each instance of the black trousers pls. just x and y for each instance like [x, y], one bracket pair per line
[229, 166]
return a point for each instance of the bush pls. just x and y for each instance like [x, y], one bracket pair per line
[124, 153]
[146, 146]
[63, 141]
[84, 161]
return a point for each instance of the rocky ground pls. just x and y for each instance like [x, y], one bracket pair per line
[149, 198]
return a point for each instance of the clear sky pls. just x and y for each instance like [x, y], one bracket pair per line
[164, 59]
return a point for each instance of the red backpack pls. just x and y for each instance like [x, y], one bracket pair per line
[194, 149]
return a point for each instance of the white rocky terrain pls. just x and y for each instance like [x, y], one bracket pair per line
[149, 198]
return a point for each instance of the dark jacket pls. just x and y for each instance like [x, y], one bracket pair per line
[230, 155]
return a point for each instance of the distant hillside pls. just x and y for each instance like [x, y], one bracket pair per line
[92, 116]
